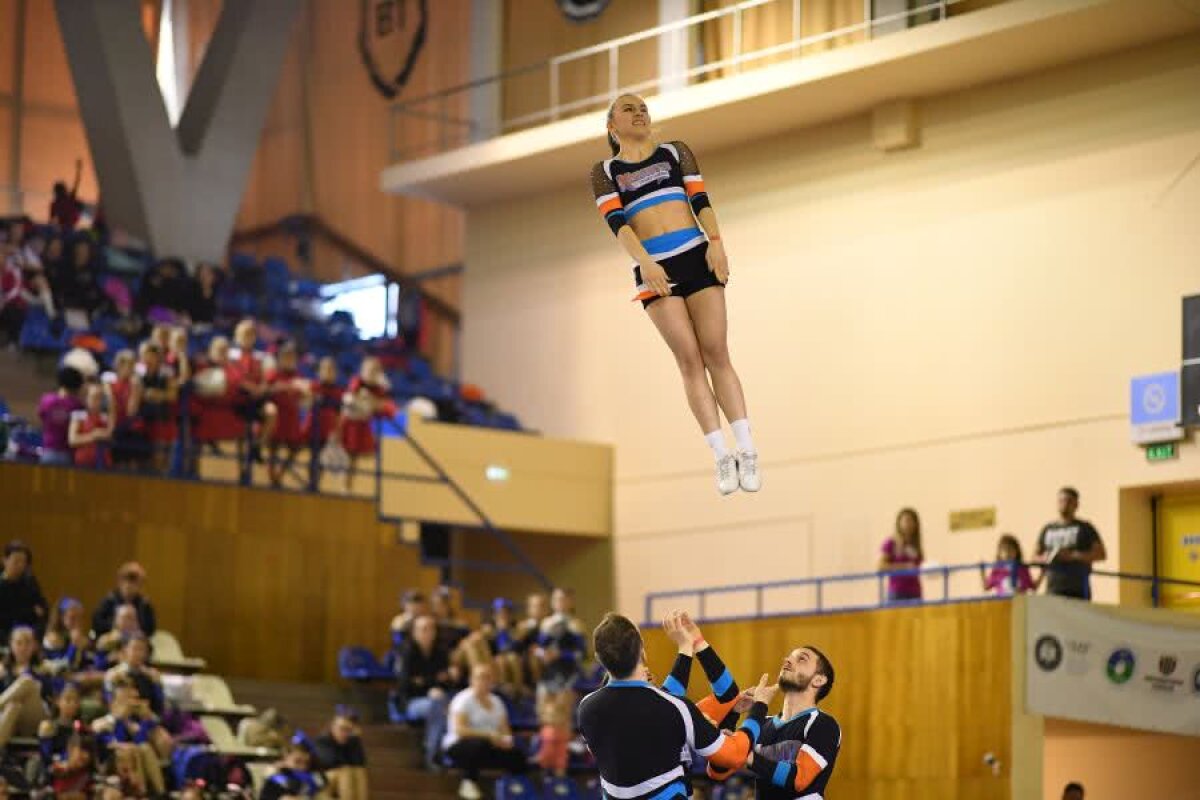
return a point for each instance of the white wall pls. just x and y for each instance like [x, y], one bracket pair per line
[948, 327]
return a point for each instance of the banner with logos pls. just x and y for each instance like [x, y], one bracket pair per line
[1085, 662]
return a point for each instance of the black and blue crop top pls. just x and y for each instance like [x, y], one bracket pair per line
[624, 189]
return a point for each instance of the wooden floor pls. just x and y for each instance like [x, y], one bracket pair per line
[393, 753]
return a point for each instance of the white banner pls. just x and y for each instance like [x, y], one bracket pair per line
[1084, 662]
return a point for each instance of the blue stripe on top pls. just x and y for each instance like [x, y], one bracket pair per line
[669, 241]
[750, 726]
[672, 686]
[668, 195]
[781, 773]
[672, 789]
[627, 683]
[722, 684]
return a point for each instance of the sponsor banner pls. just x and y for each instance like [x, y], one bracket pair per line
[1084, 662]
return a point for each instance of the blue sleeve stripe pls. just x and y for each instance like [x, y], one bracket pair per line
[750, 726]
[722, 684]
[673, 686]
[781, 774]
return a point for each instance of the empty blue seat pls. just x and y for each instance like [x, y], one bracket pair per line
[357, 663]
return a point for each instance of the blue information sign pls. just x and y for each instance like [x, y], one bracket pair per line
[1154, 399]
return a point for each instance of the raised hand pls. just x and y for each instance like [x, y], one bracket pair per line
[674, 628]
[765, 691]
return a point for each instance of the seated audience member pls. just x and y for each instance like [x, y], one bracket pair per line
[447, 610]
[563, 643]
[21, 600]
[252, 399]
[327, 395]
[12, 299]
[424, 677]
[133, 736]
[108, 645]
[413, 607]
[158, 396]
[902, 551]
[504, 645]
[163, 293]
[68, 648]
[134, 665]
[202, 296]
[478, 736]
[24, 687]
[78, 291]
[90, 430]
[65, 750]
[537, 608]
[268, 730]
[216, 394]
[65, 207]
[72, 776]
[340, 755]
[366, 398]
[1009, 575]
[131, 579]
[289, 392]
[294, 778]
[55, 410]
[1068, 547]
[22, 281]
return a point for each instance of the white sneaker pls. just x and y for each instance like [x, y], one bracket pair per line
[727, 477]
[469, 790]
[747, 468]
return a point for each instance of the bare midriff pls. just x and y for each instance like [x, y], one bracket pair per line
[662, 218]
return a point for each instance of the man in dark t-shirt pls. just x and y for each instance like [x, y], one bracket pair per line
[1068, 547]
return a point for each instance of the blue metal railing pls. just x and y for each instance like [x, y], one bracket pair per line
[819, 584]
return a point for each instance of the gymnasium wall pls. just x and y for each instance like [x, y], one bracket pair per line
[262, 584]
[920, 693]
[948, 327]
[1116, 762]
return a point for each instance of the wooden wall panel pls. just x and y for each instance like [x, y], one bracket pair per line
[921, 693]
[263, 584]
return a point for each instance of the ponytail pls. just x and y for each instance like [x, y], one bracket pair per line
[613, 144]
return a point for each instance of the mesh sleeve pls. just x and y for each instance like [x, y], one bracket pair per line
[693, 181]
[608, 201]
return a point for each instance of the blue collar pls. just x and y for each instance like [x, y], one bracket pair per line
[778, 721]
[628, 683]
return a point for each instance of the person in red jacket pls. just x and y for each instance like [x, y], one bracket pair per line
[288, 391]
[253, 402]
[367, 397]
[326, 411]
[90, 429]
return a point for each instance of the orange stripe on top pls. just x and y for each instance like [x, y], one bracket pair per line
[612, 204]
[694, 186]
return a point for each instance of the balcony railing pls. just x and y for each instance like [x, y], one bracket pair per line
[536, 94]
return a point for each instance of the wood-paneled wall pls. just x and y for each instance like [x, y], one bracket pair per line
[921, 693]
[263, 584]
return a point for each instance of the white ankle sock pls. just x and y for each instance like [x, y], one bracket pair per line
[741, 433]
[716, 440]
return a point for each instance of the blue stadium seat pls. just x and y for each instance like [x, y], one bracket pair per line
[357, 663]
[515, 787]
[555, 788]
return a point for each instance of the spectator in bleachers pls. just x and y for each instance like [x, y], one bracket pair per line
[130, 445]
[424, 676]
[366, 398]
[163, 294]
[447, 610]
[21, 600]
[554, 733]
[413, 607]
[137, 743]
[65, 207]
[327, 396]
[563, 644]
[902, 551]
[537, 608]
[293, 778]
[55, 410]
[131, 579]
[22, 281]
[478, 735]
[1009, 575]
[67, 647]
[202, 296]
[340, 755]
[135, 665]
[90, 430]
[108, 645]
[253, 404]
[158, 394]
[1068, 547]
[71, 774]
[24, 687]
[289, 392]
[504, 644]
[216, 394]
[77, 288]
[59, 761]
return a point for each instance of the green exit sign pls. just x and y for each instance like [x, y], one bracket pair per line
[1161, 452]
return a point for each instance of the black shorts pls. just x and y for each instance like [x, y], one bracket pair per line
[688, 271]
[250, 409]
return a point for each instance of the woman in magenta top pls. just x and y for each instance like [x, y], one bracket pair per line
[999, 580]
[902, 551]
[55, 411]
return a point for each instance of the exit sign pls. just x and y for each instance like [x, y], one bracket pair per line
[1161, 452]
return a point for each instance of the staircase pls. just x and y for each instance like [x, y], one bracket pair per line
[393, 752]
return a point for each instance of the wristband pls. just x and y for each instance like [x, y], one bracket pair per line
[716, 238]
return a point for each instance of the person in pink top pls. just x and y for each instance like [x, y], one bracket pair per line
[55, 411]
[902, 551]
[1000, 579]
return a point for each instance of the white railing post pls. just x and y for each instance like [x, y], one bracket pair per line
[554, 89]
[614, 71]
[737, 39]
[868, 11]
[795, 20]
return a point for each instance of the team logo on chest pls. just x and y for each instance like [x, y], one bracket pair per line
[655, 173]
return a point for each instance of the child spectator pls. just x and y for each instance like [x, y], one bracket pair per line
[21, 600]
[563, 644]
[505, 643]
[327, 403]
[554, 717]
[1009, 575]
[294, 778]
[902, 551]
[134, 665]
[131, 579]
[71, 776]
[65, 750]
[55, 410]
[130, 444]
[22, 281]
[537, 608]
[157, 396]
[366, 398]
[216, 393]
[340, 755]
[253, 403]
[413, 607]
[478, 736]
[288, 392]
[24, 687]
[67, 647]
[133, 736]
[91, 429]
[108, 645]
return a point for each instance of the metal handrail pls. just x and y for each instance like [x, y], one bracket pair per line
[819, 582]
[557, 109]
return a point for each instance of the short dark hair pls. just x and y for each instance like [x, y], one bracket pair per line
[70, 379]
[1073, 786]
[618, 645]
[18, 546]
[1073, 493]
[824, 667]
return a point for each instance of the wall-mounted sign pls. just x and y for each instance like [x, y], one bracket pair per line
[969, 519]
